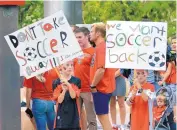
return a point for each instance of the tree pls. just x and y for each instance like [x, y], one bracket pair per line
[31, 12]
[157, 11]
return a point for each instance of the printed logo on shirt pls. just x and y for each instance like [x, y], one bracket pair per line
[93, 60]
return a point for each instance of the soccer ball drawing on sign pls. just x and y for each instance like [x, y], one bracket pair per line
[157, 59]
[30, 53]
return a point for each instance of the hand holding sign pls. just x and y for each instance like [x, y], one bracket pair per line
[137, 84]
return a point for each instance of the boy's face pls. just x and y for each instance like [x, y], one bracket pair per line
[67, 68]
[160, 101]
[141, 76]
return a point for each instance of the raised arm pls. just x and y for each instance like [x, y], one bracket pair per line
[166, 74]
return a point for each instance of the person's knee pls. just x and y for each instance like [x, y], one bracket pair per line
[91, 118]
[113, 102]
[121, 103]
[91, 115]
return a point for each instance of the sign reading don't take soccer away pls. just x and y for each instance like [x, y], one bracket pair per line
[44, 44]
[136, 45]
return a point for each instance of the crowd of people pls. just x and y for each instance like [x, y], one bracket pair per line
[75, 94]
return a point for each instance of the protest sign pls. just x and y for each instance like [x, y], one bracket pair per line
[136, 45]
[44, 44]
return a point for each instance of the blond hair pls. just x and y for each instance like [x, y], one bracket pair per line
[100, 27]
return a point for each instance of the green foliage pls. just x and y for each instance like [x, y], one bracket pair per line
[31, 12]
[101, 11]
[157, 11]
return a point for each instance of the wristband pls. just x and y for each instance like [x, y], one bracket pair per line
[140, 90]
[129, 102]
[92, 87]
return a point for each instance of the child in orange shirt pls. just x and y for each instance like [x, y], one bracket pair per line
[169, 79]
[159, 109]
[138, 100]
[66, 93]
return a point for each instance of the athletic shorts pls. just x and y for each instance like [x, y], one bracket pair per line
[101, 102]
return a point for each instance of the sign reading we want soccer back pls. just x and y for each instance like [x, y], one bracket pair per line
[136, 45]
[44, 45]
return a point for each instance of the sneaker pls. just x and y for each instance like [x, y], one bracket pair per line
[99, 127]
[123, 127]
[114, 128]
[128, 125]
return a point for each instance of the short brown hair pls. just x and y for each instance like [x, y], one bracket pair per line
[84, 30]
[100, 27]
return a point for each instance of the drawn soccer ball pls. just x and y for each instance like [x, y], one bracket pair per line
[30, 53]
[157, 59]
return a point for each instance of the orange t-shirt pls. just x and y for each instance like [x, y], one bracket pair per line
[82, 68]
[42, 90]
[172, 77]
[157, 112]
[140, 111]
[107, 83]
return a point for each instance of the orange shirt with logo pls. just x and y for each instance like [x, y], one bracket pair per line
[82, 68]
[107, 83]
[41, 90]
[140, 110]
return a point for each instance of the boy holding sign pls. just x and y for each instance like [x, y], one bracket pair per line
[138, 100]
[66, 94]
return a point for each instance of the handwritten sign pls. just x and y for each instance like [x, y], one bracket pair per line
[44, 45]
[136, 45]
